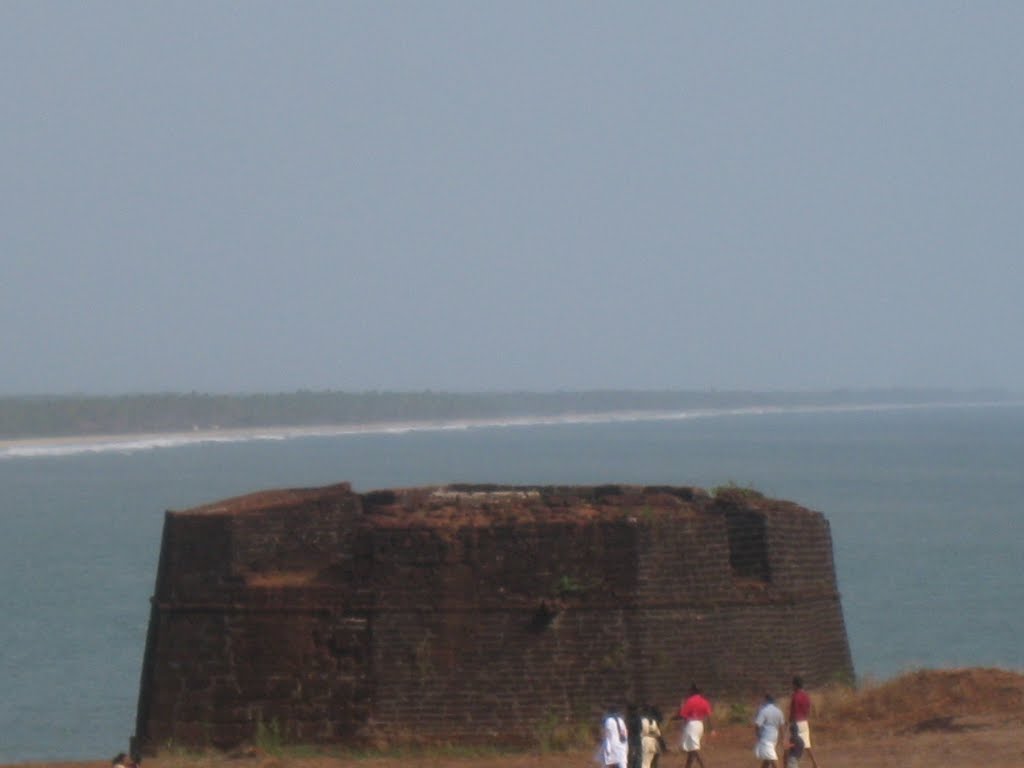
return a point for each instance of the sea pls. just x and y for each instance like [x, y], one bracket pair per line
[925, 503]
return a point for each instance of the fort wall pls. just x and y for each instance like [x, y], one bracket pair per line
[477, 613]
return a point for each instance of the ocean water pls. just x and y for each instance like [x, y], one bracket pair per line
[925, 505]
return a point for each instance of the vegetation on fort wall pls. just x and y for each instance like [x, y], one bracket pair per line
[51, 416]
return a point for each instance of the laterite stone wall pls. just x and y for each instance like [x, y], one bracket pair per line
[476, 613]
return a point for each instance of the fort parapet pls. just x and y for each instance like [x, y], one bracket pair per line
[477, 613]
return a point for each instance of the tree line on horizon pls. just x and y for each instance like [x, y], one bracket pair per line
[69, 415]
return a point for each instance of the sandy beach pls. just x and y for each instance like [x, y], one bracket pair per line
[95, 443]
[135, 441]
[85, 443]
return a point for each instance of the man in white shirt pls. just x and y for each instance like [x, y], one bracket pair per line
[767, 726]
[614, 746]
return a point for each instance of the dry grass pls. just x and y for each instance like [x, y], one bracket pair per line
[969, 717]
[903, 703]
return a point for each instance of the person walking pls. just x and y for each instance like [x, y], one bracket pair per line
[695, 712]
[635, 727]
[799, 715]
[650, 737]
[767, 725]
[614, 744]
[795, 750]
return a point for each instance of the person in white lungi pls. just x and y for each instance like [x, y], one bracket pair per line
[800, 713]
[767, 726]
[650, 737]
[695, 711]
[614, 744]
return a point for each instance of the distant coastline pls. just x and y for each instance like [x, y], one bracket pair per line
[130, 442]
[113, 417]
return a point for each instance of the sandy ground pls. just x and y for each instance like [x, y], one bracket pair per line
[924, 718]
[991, 741]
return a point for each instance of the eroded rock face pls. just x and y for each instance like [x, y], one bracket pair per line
[476, 613]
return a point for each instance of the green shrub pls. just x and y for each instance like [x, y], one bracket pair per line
[732, 488]
[737, 713]
[268, 737]
[555, 734]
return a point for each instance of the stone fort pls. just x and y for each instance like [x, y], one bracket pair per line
[476, 613]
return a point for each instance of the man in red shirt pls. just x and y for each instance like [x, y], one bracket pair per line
[799, 713]
[695, 711]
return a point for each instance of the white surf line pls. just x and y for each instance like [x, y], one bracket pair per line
[55, 447]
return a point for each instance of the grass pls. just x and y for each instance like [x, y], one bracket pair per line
[732, 488]
[178, 757]
[268, 737]
[893, 707]
[555, 734]
[417, 753]
[736, 713]
[567, 586]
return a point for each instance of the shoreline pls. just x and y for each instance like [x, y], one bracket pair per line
[63, 445]
[285, 432]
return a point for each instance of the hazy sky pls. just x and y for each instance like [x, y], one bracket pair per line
[481, 196]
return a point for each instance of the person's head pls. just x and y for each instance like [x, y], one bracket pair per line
[798, 683]
[694, 689]
[119, 759]
[769, 699]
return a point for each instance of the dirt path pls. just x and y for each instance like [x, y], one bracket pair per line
[992, 742]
